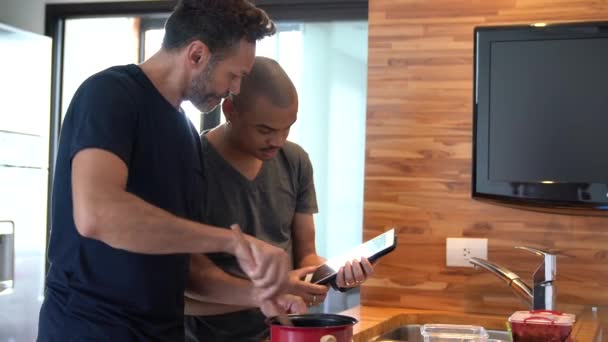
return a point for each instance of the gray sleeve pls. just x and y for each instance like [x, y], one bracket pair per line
[306, 201]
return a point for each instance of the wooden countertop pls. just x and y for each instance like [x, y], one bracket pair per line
[374, 321]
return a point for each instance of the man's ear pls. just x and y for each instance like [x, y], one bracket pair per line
[228, 108]
[198, 54]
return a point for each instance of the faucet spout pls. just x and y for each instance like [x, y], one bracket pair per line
[518, 286]
[542, 296]
[543, 278]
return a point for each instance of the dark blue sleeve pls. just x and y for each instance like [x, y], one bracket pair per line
[104, 116]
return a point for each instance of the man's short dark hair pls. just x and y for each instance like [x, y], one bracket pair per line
[267, 79]
[220, 24]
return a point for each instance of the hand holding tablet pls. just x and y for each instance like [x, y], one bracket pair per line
[372, 250]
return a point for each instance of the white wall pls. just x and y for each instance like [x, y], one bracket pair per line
[29, 14]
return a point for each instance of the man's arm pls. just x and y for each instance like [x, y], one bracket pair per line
[305, 260]
[209, 283]
[282, 304]
[105, 211]
[193, 307]
[305, 252]
[352, 274]
[209, 286]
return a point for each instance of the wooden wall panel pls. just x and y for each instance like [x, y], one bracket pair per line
[418, 164]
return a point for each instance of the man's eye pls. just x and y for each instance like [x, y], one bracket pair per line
[264, 130]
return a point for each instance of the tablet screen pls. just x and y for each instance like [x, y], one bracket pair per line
[371, 249]
[367, 249]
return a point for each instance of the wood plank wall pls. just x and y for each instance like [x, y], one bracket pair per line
[418, 164]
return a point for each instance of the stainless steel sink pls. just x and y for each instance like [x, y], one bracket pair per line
[411, 333]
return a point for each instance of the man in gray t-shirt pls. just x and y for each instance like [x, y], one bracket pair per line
[254, 176]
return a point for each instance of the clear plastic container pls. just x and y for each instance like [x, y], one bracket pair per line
[540, 325]
[453, 333]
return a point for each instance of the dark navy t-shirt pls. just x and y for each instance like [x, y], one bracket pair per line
[95, 292]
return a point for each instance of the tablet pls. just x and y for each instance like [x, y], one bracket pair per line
[372, 249]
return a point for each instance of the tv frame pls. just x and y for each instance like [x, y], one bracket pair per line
[567, 198]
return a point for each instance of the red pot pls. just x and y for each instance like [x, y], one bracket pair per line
[313, 328]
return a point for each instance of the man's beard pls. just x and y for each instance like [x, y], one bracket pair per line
[199, 93]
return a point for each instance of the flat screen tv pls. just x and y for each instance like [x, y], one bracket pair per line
[540, 130]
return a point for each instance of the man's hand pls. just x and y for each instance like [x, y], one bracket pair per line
[267, 266]
[353, 273]
[286, 303]
[312, 294]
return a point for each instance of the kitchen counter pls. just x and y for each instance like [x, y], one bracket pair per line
[374, 321]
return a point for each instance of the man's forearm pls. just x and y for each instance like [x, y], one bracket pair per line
[127, 222]
[305, 253]
[311, 259]
[193, 307]
[209, 283]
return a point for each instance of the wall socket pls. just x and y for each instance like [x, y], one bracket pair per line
[459, 250]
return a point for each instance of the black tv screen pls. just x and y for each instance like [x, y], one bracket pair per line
[541, 114]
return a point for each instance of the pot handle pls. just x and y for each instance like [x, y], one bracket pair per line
[328, 338]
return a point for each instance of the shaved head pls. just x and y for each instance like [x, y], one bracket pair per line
[267, 79]
[259, 118]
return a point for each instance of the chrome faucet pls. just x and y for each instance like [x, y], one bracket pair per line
[542, 295]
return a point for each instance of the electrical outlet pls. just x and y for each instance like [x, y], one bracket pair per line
[459, 250]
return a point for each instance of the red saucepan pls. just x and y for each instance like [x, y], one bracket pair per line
[313, 328]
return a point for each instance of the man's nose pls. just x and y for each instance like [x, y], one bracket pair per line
[278, 139]
[235, 86]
